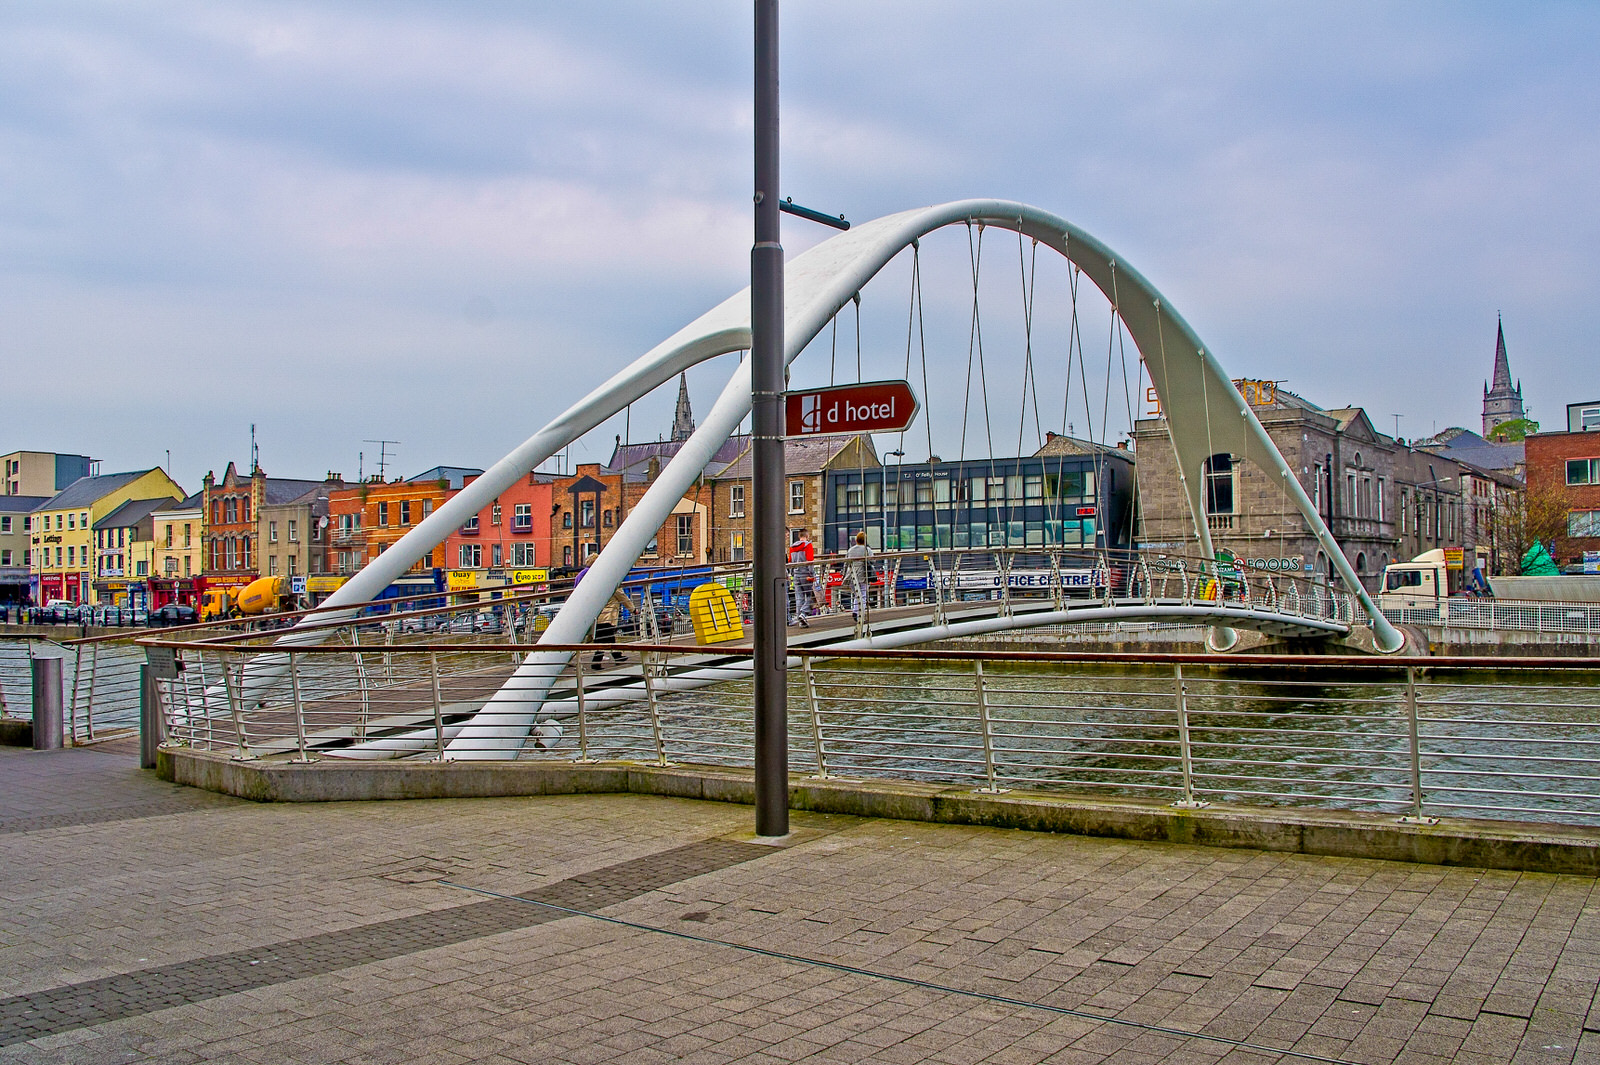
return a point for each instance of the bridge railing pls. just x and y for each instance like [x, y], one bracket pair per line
[1511, 615]
[1420, 738]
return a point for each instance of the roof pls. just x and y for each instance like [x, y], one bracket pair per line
[280, 490]
[801, 455]
[21, 504]
[1464, 445]
[632, 461]
[456, 475]
[132, 512]
[85, 490]
[1057, 444]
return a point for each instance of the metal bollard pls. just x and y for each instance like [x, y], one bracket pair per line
[47, 704]
[152, 727]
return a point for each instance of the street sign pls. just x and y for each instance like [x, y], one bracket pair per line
[873, 407]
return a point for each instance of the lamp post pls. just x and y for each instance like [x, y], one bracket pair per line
[766, 385]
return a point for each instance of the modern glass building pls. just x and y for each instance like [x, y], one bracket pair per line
[1072, 494]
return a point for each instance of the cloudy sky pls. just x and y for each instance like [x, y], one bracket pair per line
[439, 223]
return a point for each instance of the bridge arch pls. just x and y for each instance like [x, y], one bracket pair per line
[1205, 415]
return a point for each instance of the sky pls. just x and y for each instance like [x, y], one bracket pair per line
[440, 224]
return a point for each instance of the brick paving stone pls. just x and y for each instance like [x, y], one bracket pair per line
[1359, 960]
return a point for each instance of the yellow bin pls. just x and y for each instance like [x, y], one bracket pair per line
[715, 614]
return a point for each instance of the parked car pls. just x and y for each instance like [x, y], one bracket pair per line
[173, 614]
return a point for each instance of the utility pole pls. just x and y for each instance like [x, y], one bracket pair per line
[767, 384]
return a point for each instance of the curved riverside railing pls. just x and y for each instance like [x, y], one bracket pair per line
[1420, 738]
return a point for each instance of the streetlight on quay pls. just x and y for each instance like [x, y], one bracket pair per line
[770, 641]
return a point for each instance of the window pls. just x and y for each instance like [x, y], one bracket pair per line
[495, 558]
[244, 552]
[216, 512]
[71, 559]
[566, 555]
[494, 514]
[471, 555]
[522, 554]
[5, 557]
[1583, 471]
[272, 565]
[566, 519]
[5, 523]
[522, 517]
[736, 502]
[169, 537]
[1583, 523]
[1588, 419]
[141, 569]
[272, 532]
[605, 517]
[293, 565]
[405, 512]
[586, 513]
[1219, 484]
[590, 550]
[797, 497]
[471, 527]
[244, 509]
[685, 534]
[72, 518]
[737, 542]
[294, 531]
[427, 507]
[383, 514]
[186, 572]
[1380, 499]
[59, 563]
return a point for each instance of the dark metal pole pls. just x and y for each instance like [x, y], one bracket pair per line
[766, 380]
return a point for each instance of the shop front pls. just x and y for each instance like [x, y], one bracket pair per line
[183, 590]
[320, 587]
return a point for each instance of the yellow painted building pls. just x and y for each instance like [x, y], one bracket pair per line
[61, 542]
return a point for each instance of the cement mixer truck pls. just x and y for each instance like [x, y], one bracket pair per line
[264, 595]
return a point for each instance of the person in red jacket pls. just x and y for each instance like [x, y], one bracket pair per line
[802, 598]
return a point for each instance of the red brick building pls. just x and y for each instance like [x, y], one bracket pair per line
[1569, 463]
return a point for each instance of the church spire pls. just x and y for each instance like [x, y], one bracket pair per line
[1502, 401]
[683, 420]
[1502, 365]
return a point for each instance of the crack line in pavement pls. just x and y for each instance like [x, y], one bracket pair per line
[910, 981]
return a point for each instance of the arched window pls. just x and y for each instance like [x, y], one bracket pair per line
[1219, 484]
[1361, 562]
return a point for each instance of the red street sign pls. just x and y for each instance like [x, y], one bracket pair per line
[873, 407]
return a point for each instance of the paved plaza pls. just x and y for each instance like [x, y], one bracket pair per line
[146, 922]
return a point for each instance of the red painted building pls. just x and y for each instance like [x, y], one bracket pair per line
[508, 542]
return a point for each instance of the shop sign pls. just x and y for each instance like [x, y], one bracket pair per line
[461, 579]
[324, 584]
[1591, 562]
[297, 585]
[529, 576]
[873, 407]
[1453, 558]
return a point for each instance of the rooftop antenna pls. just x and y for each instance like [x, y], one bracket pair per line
[383, 454]
[361, 468]
[255, 452]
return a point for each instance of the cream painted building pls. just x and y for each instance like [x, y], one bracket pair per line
[179, 539]
[62, 537]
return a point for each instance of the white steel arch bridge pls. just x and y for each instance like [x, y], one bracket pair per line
[1204, 412]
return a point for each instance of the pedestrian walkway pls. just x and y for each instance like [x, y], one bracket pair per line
[145, 922]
